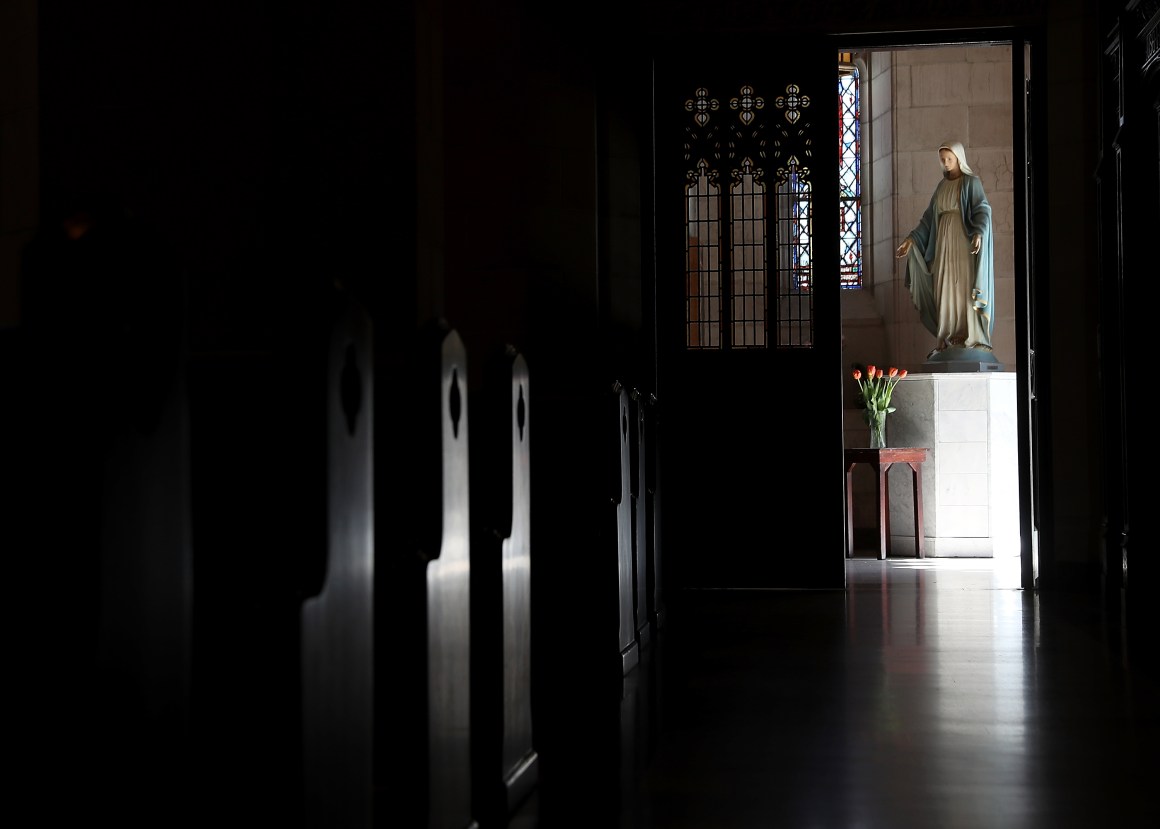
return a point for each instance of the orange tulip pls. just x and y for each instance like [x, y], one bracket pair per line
[875, 388]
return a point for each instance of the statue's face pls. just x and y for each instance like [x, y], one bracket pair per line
[950, 163]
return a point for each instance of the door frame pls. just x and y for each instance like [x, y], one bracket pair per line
[1032, 346]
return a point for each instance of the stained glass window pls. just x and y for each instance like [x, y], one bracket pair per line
[702, 260]
[794, 248]
[748, 258]
[749, 218]
[849, 174]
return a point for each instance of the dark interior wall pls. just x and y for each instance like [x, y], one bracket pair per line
[427, 161]
[240, 171]
[1070, 94]
[19, 116]
[260, 144]
[546, 132]
[1128, 187]
[543, 192]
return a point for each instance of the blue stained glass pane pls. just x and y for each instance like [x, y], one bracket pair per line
[849, 178]
[801, 218]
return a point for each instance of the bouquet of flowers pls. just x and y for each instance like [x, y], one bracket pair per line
[874, 396]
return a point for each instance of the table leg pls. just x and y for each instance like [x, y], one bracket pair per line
[849, 510]
[883, 511]
[919, 541]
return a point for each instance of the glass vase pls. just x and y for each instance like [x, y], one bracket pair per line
[877, 423]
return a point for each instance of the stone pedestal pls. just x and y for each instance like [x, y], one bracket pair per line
[970, 480]
[960, 359]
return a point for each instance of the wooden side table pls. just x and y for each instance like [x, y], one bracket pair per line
[882, 460]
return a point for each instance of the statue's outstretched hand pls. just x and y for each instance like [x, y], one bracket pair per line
[903, 249]
[976, 244]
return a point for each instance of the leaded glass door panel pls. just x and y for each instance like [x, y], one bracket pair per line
[748, 314]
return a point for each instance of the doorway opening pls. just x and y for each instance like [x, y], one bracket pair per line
[911, 99]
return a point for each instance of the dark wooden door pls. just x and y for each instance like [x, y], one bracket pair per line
[748, 314]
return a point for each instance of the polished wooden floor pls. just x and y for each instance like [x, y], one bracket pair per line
[930, 693]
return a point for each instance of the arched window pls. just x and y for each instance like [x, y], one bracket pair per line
[850, 171]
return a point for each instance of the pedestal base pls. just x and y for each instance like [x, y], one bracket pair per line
[971, 477]
[961, 359]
